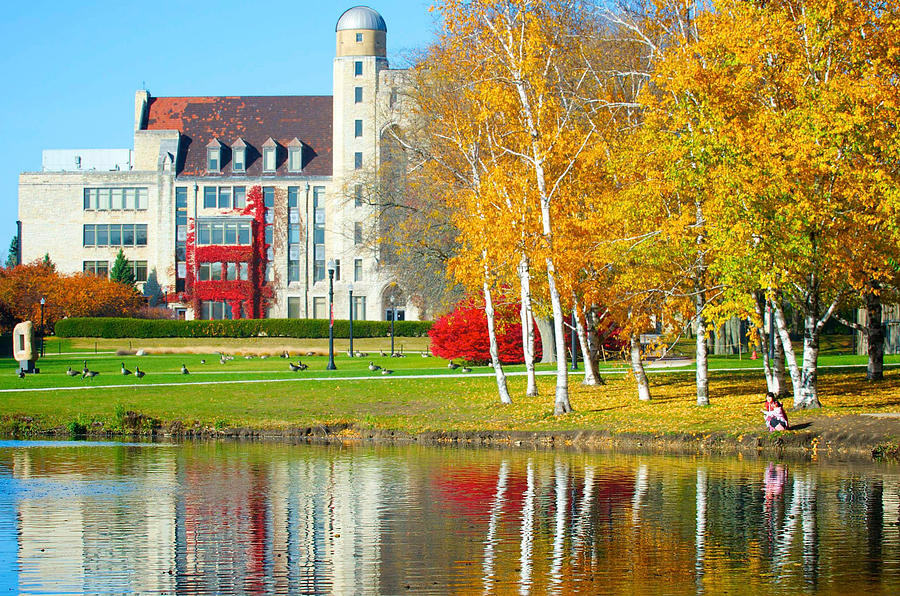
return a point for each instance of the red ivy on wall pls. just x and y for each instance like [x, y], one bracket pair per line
[250, 296]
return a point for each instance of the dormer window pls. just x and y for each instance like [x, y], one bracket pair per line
[214, 156]
[270, 154]
[295, 155]
[239, 156]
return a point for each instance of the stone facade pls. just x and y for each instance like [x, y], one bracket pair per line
[324, 153]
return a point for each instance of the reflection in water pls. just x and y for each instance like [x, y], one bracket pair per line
[244, 517]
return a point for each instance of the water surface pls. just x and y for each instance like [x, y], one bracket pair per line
[270, 517]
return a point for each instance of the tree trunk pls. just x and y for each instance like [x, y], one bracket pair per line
[590, 368]
[637, 367]
[561, 403]
[502, 389]
[527, 315]
[702, 374]
[759, 304]
[874, 334]
[785, 341]
[779, 386]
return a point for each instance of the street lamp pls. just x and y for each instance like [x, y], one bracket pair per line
[393, 316]
[350, 287]
[331, 365]
[574, 339]
[42, 326]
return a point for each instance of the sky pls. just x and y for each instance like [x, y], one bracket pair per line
[71, 69]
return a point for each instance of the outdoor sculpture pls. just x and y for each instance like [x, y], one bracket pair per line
[25, 348]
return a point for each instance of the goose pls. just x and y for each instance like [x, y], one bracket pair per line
[20, 373]
[85, 370]
[294, 367]
[301, 366]
[184, 370]
[263, 356]
[387, 371]
[383, 355]
[286, 354]
[373, 367]
[452, 365]
[248, 357]
[72, 373]
[125, 371]
[465, 369]
[222, 360]
[138, 372]
[203, 361]
[425, 354]
[90, 374]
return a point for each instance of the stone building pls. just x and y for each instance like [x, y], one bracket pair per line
[233, 207]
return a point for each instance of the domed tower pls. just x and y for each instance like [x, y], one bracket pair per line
[360, 56]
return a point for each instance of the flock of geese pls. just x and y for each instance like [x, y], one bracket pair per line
[87, 373]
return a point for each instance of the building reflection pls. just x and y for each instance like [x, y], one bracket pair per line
[295, 519]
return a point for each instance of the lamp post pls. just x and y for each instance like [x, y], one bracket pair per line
[42, 326]
[331, 365]
[393, 316]
[351, 320]
[574, 346]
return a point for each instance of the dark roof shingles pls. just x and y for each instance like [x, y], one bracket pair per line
[254, 119]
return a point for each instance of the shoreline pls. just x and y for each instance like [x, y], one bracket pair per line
[869, 444]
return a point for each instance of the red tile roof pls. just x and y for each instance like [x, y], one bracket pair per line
[254, 119]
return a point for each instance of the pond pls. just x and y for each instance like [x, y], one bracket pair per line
[225, 517]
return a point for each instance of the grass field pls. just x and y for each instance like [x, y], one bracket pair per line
[264, 394]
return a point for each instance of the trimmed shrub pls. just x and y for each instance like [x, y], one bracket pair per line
[463, 334]
[303, 328]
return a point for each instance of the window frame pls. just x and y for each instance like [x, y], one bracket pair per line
[213, 160]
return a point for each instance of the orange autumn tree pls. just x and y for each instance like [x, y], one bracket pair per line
[76, 295]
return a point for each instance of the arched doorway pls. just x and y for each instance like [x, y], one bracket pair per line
[393, 301]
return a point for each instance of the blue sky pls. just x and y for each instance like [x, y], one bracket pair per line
[70, 69]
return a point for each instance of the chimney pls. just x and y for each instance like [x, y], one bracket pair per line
[141, 101]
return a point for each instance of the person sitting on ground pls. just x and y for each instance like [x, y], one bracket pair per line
[776, 418]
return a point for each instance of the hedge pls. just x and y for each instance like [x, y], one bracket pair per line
[303, 328]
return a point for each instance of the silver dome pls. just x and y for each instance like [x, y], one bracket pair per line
[361, 17]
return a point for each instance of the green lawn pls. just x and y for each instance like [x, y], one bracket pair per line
[265, 394]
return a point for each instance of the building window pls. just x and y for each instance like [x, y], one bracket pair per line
[239, 159]
[357, 195]
[357, 161]
[357, 94]
[215, 310]
[359, 37]
[209, 197]
[224, 197]
[98, 268]
[212, 159]
[240, 197]
[115, 199]
[115, 235]
[295, 159]
[139, 268]
[357, 68]
[318, 233]
[293, 307]
[357, 128]
[337, 270]
[223, 232]
[268, 159]
[357, 270]
[357, 233]
[319, 308]
[359, 308]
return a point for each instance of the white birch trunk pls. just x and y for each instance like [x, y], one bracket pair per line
[637, 367]
[702, 375]
[527, 315]
[590, 369]
[779, 385]
[561, 473]
[785, 340]
[502, 389]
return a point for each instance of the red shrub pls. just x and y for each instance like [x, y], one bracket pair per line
[463, 334]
